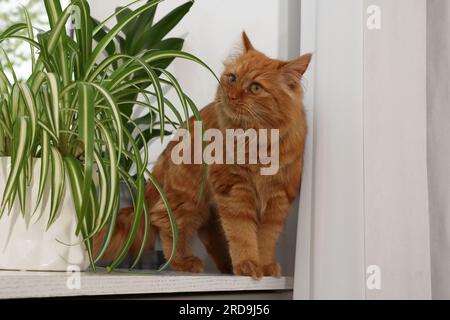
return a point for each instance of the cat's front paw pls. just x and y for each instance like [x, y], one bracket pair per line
[248, 268]
[272, 270]
[188, 264]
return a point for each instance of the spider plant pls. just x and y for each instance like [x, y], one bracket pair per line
[73, 112]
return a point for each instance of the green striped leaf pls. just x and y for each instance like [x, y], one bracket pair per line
[86, 123]
[170, 214]
[15, 103]
[173, 81]
[31, 36]
[75, 175]
[84, 34]
[112, 106]
[12, 30]
[138, 207]
[30, 105]
[128, 180]
[22, 138]
[5, 85]
[57, 184]
[53, 89]
[58, 31]
[110, 212]
[123, 73]
[9, 65]
[159, 94]
[104, 194]
[30, 41]
[113, 174]
[45, 160]
[21, 190]
[54, 11]
[55, 42]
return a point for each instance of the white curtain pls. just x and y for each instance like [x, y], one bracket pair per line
[364, 224]
[438, 12]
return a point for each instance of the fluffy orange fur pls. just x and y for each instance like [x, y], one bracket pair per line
[240, 214]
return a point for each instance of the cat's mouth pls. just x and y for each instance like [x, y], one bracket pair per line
[233, 105]
[236, 105]
[237, 110]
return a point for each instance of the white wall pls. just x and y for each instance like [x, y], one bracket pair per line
[213, 31]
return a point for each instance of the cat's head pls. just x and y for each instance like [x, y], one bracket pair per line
[260, 90]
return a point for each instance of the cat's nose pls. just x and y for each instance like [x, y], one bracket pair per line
[233, 96]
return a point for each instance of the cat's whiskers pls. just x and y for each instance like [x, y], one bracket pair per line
[253, 113]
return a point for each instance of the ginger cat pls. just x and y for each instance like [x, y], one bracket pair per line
[241, 213]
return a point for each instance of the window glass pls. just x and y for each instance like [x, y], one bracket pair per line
[18, 52]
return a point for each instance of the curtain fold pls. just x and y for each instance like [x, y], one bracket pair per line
[367, 206]
[330, 263]
[438, 80]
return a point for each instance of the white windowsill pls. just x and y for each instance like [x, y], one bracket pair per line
[17, 284]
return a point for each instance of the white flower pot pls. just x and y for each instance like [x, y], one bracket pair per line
[24, 242]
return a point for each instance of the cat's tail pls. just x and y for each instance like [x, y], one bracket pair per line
[125, 222]
[123, 227]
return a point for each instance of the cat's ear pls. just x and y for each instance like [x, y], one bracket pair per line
[299, 65]
[246, 42]
[295, 69]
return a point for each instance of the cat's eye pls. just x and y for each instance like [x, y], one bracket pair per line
[232, 78]
[256, 88]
